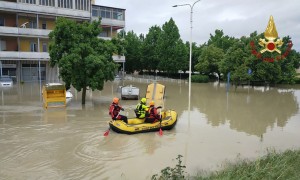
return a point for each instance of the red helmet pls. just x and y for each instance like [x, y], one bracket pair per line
[116, 100]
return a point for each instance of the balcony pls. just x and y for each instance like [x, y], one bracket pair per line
[111, 22]
[41, 56]
[15, 55]
[28, 32]
[47, 10]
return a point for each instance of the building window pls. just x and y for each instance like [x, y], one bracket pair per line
[45, 49]
[33, 47]
[47, 2]
[30, 1]
[117, 14]
[65, 4]
[32, 24]
[102, 13]
[104, 34]
[44, 25]
[51, 3]
[2, 45]
[1, 21]
[95, 12]
[82, 5]
[109, 13]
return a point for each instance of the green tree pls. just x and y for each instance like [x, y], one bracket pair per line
[83, 59]
[221, 41]
[213, 53]
[239, 59]
[235, 62]
[150, 49]
[170, 45]
[183, 54]
[209, 60]
[282, 70]
[133, 52]
[196, 51]
[289, 64]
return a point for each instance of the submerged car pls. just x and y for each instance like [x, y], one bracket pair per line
[6, 81]
[130, 92]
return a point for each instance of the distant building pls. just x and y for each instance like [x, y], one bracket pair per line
[24, 29]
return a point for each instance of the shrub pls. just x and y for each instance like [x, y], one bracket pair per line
[200, 78]
[176, 173]
[297, 80]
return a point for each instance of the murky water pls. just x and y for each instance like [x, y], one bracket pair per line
[68, 143]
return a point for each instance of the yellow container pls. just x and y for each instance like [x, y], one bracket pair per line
[54, 95]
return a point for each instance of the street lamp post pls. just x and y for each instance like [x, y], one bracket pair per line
[191, 41]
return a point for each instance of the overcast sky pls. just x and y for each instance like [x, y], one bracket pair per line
[235, 17]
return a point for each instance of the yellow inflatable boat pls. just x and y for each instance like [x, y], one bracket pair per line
[135, 125]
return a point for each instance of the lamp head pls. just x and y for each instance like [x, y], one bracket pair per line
[175, 6]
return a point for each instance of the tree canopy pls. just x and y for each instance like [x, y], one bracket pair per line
[133, 52]
[86, 61]
[162, 49]
[173, 52]
[151, 50]
[83, 59]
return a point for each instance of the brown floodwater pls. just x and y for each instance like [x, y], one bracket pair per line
[68, 143]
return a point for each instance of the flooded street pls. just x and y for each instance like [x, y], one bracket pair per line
[68, 143]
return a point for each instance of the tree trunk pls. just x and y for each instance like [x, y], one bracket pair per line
[83, 95]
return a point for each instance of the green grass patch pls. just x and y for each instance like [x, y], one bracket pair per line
[274, 165]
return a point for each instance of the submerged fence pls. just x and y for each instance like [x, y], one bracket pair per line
[151, 78]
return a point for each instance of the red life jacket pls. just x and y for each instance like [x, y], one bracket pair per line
[114, 110]
[153, 112]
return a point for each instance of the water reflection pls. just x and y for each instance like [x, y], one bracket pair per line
[251, 112]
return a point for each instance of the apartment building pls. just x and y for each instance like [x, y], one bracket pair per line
[24, 29]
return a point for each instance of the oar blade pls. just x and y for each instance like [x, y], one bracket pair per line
[160, 132]
[106, 133]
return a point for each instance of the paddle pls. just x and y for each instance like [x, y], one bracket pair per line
[160, 130]
[107, 131]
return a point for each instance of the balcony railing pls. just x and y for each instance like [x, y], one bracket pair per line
[29, 32]
[41, 56]
[32, 8]
[4, 30]
[111, 22]
[15, 55]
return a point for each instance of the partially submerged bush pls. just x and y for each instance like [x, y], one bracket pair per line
[297, 80]
[175, 173]
[200, 78]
